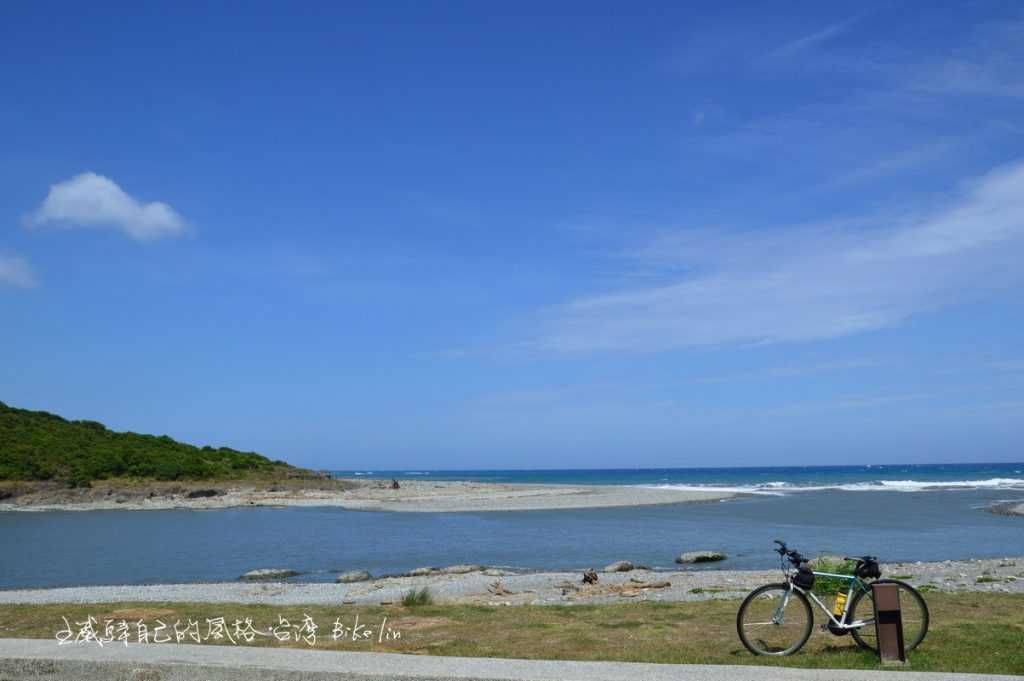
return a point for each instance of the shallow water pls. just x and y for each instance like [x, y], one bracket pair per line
[48, 549]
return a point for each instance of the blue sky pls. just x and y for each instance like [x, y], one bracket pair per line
[470, 235]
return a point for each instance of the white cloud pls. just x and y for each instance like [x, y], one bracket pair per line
[806, 283]
[93, 200]
[16, 272]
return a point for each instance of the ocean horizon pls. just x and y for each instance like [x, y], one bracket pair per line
[774, 480]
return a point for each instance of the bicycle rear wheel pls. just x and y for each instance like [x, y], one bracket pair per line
[913, 613]
[774, 621]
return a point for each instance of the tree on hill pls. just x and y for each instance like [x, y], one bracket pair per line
[37, 445]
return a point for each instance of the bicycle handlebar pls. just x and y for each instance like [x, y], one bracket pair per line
[794, 556]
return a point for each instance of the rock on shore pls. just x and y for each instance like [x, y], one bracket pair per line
[268, 574]
[700, 557]
[1008, 508]
[354, 576]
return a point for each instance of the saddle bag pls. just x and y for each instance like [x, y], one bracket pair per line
[869, 570]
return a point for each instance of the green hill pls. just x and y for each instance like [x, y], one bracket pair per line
[36, 445]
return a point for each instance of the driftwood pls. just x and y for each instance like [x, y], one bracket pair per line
[498, 589]
[637, 584]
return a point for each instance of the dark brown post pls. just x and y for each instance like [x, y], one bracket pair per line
[889, 623]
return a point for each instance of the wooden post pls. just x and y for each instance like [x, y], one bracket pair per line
[889, 623]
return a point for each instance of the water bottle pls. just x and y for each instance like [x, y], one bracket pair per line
[837, 609]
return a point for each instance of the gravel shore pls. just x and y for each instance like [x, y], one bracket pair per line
[413, 496]
[1005, 575]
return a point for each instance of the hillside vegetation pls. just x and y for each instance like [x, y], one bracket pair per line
[36, 445]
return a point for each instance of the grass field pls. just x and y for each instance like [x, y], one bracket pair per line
[975, 632]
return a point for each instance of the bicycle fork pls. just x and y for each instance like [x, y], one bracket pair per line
[781, 610]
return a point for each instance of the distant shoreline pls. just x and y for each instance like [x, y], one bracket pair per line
[412, 496]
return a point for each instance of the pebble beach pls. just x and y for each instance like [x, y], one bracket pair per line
[489, 586]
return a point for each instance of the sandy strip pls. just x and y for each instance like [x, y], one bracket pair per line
[415, 496]
[1000, 575]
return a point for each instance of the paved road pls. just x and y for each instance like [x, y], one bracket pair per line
[44, 660]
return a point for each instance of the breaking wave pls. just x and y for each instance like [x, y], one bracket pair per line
[779, 488]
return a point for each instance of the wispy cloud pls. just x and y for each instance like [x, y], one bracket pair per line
[16, 272]
[816, 38]
[806, 283]
[91, 200]
[794, 370]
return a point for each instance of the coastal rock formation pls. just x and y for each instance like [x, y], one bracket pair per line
[619, 566]
[422, 572]
[700, 557]
[203, 493]
[354, 576]
[1008, 508]
[461, 569]
[268, 574]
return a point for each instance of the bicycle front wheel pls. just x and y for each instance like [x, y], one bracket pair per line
[913, 613]
[774, 620]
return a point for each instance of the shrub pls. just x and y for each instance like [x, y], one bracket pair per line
[832, 585]
[417, 597]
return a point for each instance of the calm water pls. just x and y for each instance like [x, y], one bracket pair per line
[833, 512]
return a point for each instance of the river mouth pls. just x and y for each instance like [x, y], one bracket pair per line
[53, 549]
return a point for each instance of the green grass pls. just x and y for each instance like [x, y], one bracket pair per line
[417, 598]
[970, 632]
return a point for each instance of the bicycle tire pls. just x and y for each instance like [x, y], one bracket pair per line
[751, 598]
[870, 644]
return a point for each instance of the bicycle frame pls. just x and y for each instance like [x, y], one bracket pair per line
[855, 584]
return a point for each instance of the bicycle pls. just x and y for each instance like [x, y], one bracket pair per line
[776, 619]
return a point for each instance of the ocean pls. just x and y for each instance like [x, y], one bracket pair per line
[757, 480]
[900, 513]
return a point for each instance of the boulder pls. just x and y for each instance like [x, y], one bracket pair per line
[354, 576]
[495, 572]
[1007, 508]
[461, 569]
[589, 576]
[619, 566]
[268, 574]
[700, 557]
[422, 571]
[201, 493]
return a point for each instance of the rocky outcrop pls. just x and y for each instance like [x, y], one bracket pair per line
[449, 570]
[619, 566]
[1009, 508]
[461, 569]
[203, 493]
[354, 576]
[422, 571]
[268, 575]
[700, 557]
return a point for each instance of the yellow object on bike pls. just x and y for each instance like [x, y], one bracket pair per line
[840, 605]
